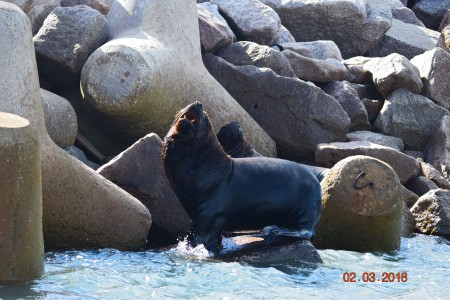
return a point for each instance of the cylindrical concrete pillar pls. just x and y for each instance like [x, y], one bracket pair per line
[21, 239]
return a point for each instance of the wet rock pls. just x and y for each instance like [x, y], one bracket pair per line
[251, 20]
[297, 115]
[39, 12]
[445, 20]
[249, 53]
[133, 84]
[436, 152]
[355, 26]
[434, 67]
[408, 222]
[22, 245]
[214, 10]
[406, 15]
[327, 155]
[317, 70]
[376, 138]
[81, 209]
[60, 119]
[444, 39]
[411, 117]
[373, 108]
[431, 12]
[434, 175]
[79, 154]
[314, 49]
[393, 72]
[420, 185]
[347, 97]
[356, 67]
[65, 41]
[140, 172]
[361, 207]
[410, 198]
[432, 213]
[213, 33]
[95, 4]
[283, 36]
[405, 39]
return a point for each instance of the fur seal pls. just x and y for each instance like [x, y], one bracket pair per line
[218, 191]
[231, 137]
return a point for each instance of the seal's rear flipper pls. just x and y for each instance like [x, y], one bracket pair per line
[271, 233]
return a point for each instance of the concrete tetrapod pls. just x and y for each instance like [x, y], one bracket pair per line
[21, 241]
[151, 68]
[81, 209]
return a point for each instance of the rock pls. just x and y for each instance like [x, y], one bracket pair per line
[214, 10]
[408, 222]
[60, 119]
[251, 20]
[79, 154]
[432, 213]
[254, 251]
[249, 53]
[420, 185]
[411, 117]
[283, 36]
[373, 108]
[356, 67]
[355, 26]
[410, 198]
[405, 39]
[445, 21]
[315, 49]
[213, 33]
[394, 72]
[140, 172]
[406, 15]
[434, 175]
[134, 84]
[436, 152]
[431, 12]
[81, 209]
[65, 41]
[39, 12]
[22, 245]
[368, 90]
[318, 70]
[415, 154]
[297, 115]
[347, 97]
[444, 39]
[376, 138]
[95, 4]
[361, 207]
[434, 67]
[327, 155]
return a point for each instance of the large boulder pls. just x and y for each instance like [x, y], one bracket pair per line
[213, 33]
[251, 20]
[434, 67]
[408, 222]
[376, 138]
[411, 117]
[431, 12]
[406, 15]
[214, 10]
[283, 36]
[354, 25]
[438, 148]
[405, 39]
[434, 175]
[432, 213]
[420, 185]
[65, 41]
[39, 11]
[249, 53]
[22, 244]
[327, 155]
[355, 65]
[95, 4]
[314, 49]
[135, 83]
[81, 209]
[361, 207]
[297, 115]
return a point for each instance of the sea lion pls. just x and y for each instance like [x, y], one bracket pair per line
[231, 137]
[218, 191]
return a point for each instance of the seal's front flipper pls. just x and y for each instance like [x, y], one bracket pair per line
[271, 233]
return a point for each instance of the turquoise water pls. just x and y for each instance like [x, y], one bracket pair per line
[180, 274]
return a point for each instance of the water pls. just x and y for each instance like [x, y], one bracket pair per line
[178, 274]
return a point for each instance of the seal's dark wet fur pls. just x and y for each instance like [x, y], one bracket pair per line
[218, 191]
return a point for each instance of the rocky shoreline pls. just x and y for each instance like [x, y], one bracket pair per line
[351, 85]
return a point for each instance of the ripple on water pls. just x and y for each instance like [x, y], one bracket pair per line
[190, 274]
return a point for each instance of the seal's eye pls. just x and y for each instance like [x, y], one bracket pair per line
[191, 117]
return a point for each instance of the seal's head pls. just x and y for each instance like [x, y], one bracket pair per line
[230, 136]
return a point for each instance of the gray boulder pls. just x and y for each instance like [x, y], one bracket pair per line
[410, 198]
[434, 67]
[432, 213]
[214, 10]
[444, 39]
[95, 4]
[79, 154]
[355, 65]
[283, 36]
[434, 175]
[376, 138]
[213, 33]
[406, 15]
[373, 108]
[393, 72]
[445, 21]
[405, 166]
[314, 49]
[411, 117]
[249, 53]
[251, 20]
[348, 98]
[39, 11]
[420, 185]
[297, 115]
[65, 41]
[405, 39]
[431, 12]
[437, 151]
[408, 222]
[354, 25]
[317, 70]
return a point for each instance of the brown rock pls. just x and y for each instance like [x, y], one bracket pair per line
[410, 198]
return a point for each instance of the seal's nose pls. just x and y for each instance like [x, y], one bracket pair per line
[198, 105]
